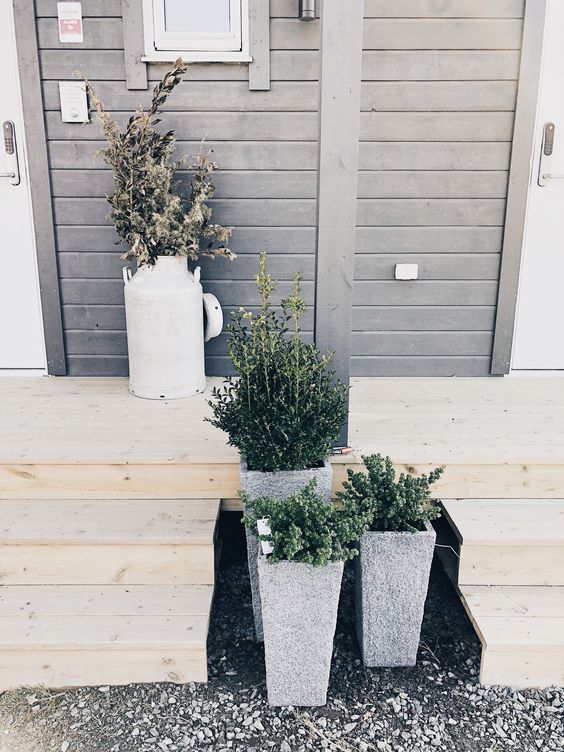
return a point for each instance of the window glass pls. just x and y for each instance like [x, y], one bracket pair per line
[197, 16]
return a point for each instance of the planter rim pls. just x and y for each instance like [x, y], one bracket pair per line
[245, 469]
[262, 559]
[429, 530]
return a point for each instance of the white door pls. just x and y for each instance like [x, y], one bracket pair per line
[539, 331]
[21, 329]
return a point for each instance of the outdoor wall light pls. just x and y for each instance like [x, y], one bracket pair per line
[307, 10]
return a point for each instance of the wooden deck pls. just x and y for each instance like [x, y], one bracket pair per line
[88, 438]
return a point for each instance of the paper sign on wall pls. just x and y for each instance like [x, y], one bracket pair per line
[70, 22]
[74, 103]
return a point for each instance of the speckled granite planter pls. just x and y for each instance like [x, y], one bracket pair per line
[392, 577]
[277, 485]
[299, 608]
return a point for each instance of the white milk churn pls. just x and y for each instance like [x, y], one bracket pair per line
[164, 309]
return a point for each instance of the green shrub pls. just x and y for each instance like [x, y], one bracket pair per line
[305, 528]
[393, 505]
[284, 411]
[151, 214]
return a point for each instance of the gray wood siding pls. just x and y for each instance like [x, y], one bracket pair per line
[438, 99]
[438, 93]
[265, 143]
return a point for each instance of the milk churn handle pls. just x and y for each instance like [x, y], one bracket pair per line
[126, 274]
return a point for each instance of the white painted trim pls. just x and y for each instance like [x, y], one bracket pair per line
[162, 46]
[22, 372]
[197, 57]
[537, 374]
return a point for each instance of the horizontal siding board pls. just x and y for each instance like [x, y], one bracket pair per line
[97, 366]
[436, 126]
[420, 366]
[94, 317]
[440, 65]
[441, 96]
[288, 33]
[421, 292]
[444, 9]
[109, 65]
[228, 184]
[100, 316]
[434, 156]
[110, 292]
[421, 343]
[399, 212]
[96, 342]
[423, 318]
[432, 184]
[106, 342]
[437, 34]
[251, 212]
[229, 126]
[276, 240]
[107, 265]
[99, 34]
[107, 34]
[106, 8]
[90, 8]
[196, 96]
[235, 155]
[457, 266]
[428, 239]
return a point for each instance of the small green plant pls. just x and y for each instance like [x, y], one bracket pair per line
[284, 410]
[400, 505]
[305, 528]
[150, 212]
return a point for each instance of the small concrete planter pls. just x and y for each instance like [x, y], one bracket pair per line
[392, 577]
[279, 486]
[299, 607]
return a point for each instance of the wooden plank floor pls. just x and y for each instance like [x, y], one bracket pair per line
[499, 437]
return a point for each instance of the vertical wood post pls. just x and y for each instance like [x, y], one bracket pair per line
[40, 185]
[518, 190]
[341, 64]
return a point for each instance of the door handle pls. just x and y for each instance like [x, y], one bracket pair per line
[553, 176]
[11, 153]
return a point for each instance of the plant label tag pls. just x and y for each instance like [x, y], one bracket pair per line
[263, 527]
[70, 22]
[74, 103]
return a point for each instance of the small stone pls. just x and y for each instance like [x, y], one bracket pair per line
[64, 746]
[285, 747]
[105, 688]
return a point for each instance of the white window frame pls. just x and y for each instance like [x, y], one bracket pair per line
[166, 46]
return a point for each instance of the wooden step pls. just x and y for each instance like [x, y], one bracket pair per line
[508, 541]
[140, 541]
[522, 633]
[71, 635]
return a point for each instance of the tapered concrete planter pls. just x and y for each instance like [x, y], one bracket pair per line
[279, 486]
[299, 612]
[392, 578]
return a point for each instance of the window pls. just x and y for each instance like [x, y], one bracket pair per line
[196, 29]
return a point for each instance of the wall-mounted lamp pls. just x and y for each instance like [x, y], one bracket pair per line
[306, 10]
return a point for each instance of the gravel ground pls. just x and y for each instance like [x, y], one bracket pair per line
[439, 704]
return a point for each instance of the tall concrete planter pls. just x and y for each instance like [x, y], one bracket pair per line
[279, 486]
[392, 578]
[299, 614]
